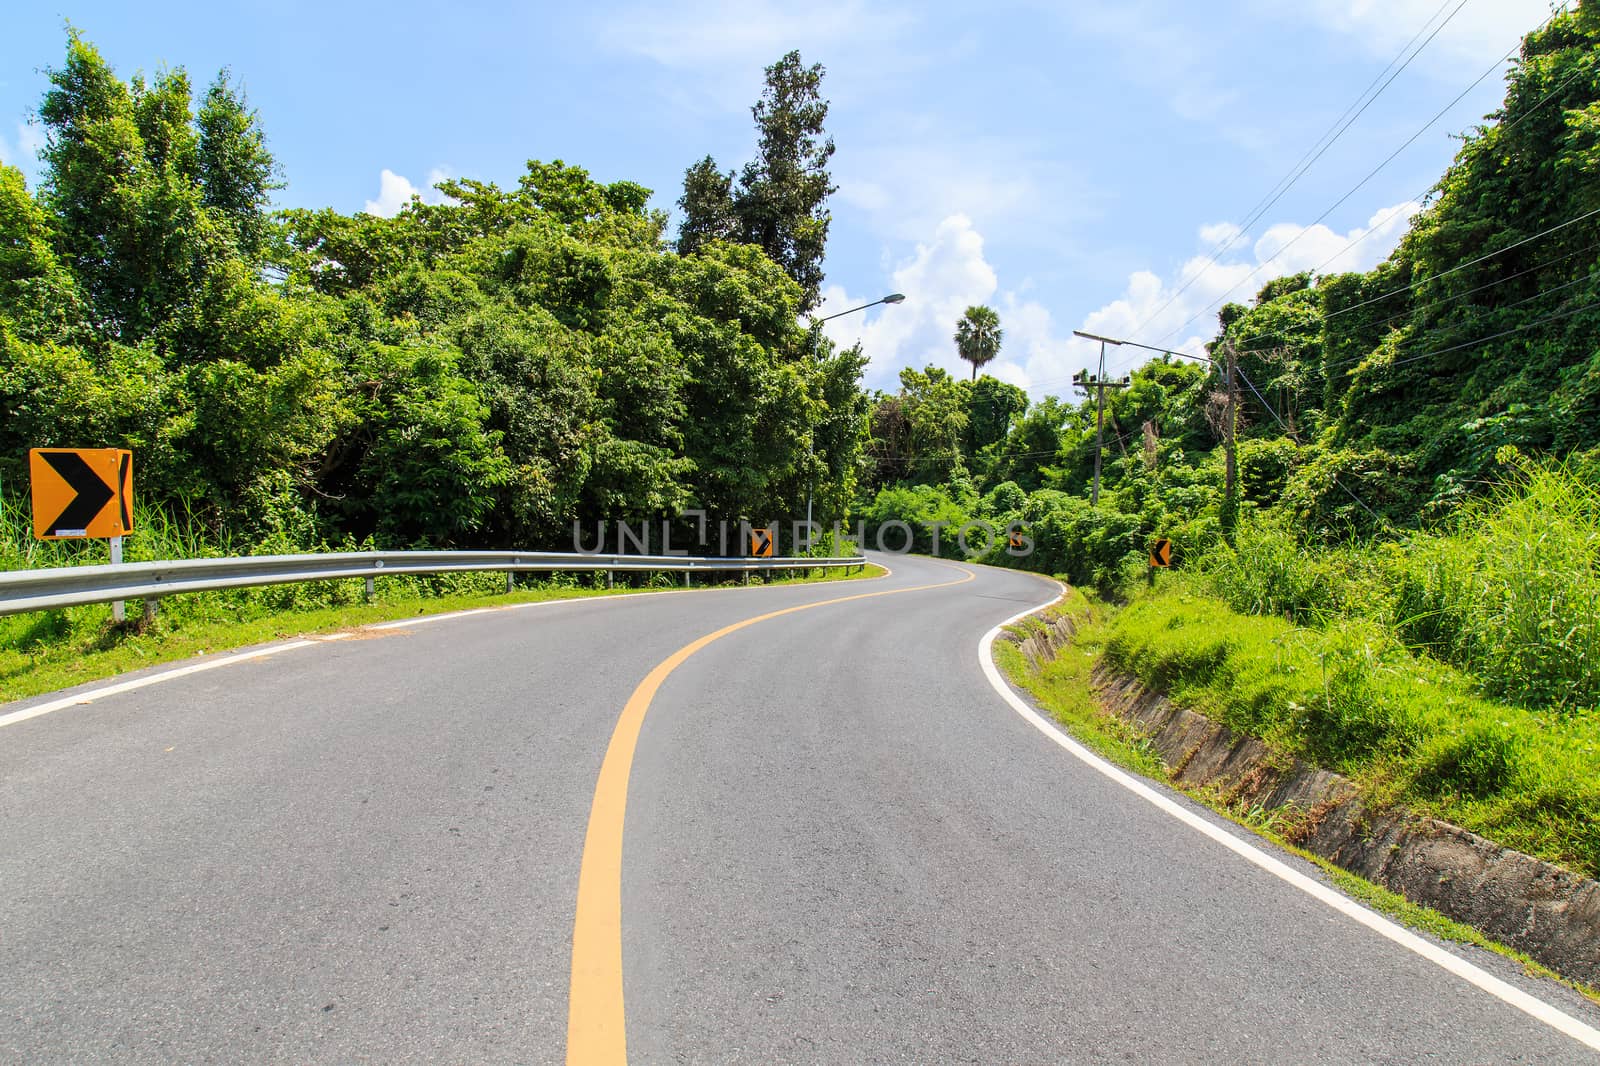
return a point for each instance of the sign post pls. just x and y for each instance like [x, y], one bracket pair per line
[118, 607]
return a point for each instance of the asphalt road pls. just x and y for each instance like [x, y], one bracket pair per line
[841, 845]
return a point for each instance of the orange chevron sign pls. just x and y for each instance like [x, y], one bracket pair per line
[1161, 553]
[81, 492]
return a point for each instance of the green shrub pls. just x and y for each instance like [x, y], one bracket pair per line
[1513, 594]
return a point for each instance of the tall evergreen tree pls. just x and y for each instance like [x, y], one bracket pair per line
[782, 196]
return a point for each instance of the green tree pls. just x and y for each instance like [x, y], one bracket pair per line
[936, 412]
[781, 202]
[978, 336]
[993, 407]
[707, 204]
[236, 171]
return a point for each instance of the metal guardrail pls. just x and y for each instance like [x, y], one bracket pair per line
[71, 586]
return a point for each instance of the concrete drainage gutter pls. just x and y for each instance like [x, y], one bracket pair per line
[1543, 910]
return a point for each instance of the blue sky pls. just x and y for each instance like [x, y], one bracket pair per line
[1072, 165]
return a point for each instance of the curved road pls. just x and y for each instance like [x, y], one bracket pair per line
[841, 845]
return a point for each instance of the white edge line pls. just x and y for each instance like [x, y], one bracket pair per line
[1537, 1008]
[120, 687]
[151, 679]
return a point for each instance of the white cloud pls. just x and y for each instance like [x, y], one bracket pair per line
[1217, 234]
[1478, 32]
[740, 33]
[950, 272]
[1287, 249]
[1154, 311]
[23, 151]
[910, 182]
[396, 190]
[940, 280]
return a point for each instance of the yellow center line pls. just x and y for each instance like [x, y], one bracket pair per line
[596, 1029]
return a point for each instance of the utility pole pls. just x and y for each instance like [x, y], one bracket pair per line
[1230, 418]
[1084, 383]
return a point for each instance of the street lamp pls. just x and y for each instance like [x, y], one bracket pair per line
[892, 298]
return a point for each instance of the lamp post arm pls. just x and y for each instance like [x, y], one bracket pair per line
[893, 298]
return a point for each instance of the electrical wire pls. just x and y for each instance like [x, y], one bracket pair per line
[1362, 183]
[1323, 143]
[1498, 131]
[1341, 201]
[1452, 299]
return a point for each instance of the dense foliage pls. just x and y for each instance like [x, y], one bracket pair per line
[480, 372]
[1418, 445]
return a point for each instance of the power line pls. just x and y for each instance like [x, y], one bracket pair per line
[1469, 263]
[1370, 175]
[1498, 131]
[1341, 201]
[1458, 296]
[1320, 147]
[1568, 313]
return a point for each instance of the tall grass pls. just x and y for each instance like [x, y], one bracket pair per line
[160, 535]
[1513, 593]
[163, 535]
[1509, 592]
[1272, 569]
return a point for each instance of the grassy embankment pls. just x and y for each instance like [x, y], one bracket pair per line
[1063, 688]
[1457, 675]
[49, 650]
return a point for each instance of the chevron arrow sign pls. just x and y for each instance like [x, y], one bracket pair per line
[81, 492]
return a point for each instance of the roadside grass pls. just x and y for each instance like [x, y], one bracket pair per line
[1508, 590]
[51, 650]
[1348, 696]
[1062, 688]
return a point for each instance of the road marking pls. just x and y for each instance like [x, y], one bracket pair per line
[232, 659]
[151, 679]
[1508, 993]
[596, 1024]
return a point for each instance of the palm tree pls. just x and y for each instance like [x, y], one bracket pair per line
[978, 336]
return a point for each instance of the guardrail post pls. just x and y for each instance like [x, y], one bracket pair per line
[611, 579]
[150, 610]
[686, 579]
[511, 582]
[372, 590]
